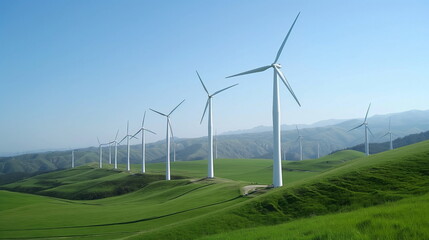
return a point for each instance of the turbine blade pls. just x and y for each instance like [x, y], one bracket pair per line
[224, 89]
[284, 41]
[133, 137]
[204, 86]
[283, 78]
[356, 127]
[158, 112]
[370, 132]
[149, 131]
[128, 125]
[171, 129]
[117, 132]
[261, 69]
[389, 123]
[176, 107]
[122, 139]
[205, 109]
[172, 142]
[384, 135]
[144, 116]
[367, 112]
[137, 132]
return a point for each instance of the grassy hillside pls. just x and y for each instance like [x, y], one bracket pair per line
[84, 182]
[404, 219]
[363, 182]
[195, 208]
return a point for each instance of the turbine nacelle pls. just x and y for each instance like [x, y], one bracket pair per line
[276, 65]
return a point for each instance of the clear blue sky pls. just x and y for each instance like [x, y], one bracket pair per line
[74, 70]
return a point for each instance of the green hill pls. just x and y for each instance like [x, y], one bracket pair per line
[404, 219]
[194, 208]
[245, 146]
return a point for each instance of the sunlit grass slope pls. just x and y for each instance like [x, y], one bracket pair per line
[362, 182]
[404, 219]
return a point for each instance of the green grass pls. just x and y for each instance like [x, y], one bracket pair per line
[359, 183]
[404, 219]
[344, 183]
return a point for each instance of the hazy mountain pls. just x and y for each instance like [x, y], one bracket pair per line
[286, 127]
[245, 145]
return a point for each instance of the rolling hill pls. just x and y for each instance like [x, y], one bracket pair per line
[246, 145]
[337, 188]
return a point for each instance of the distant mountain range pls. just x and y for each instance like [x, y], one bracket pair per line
[332, 135]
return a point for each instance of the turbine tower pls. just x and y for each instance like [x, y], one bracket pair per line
[318, 150]
[128, 136]
[390, 137]
[143, 130]
[116, 149]
[365, 123]
[277, 165]
[167, 139]
[100, 148]
[300, 143]
[72, 159]
[210, 170]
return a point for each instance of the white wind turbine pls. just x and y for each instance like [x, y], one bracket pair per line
[100, 147]
[366, 131]
[167, 139]
[128, 136]
[210, 171]
[116, 149]
[277, 168]
[300, 143]
[143, 130]
[390, 136]
[72, 159]
[318, 150]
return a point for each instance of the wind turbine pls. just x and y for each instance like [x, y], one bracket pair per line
[128, 136]
[277, 165]
[390, 136]
[300, 143]
[116, 149]
[100, 147]
[72, 159]
[167, 139]
[210, 171]
[143, 130]
[318, 150]
[366, 131]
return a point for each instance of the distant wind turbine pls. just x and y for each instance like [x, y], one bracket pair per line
[210, 171]
[128, 136]
[100, 146]
[366, 131]
[300, 143]
[277, 165]
[390, 136]
[167, 139]
[72, 159]
[143, 130]
[116, 149]
[318, 150]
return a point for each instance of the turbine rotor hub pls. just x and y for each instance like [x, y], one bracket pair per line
[277, 65]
